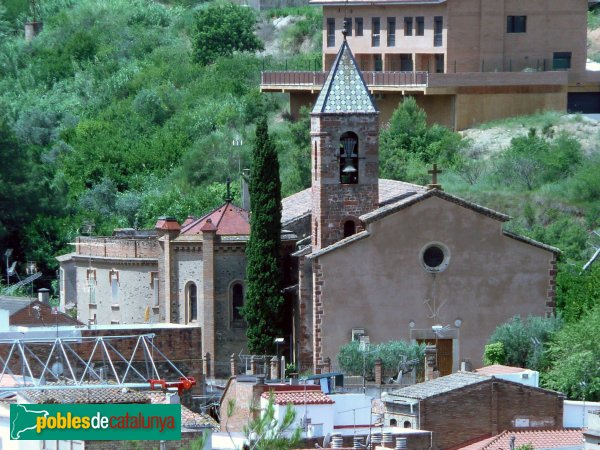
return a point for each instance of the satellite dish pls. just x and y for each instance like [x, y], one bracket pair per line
[11, 270]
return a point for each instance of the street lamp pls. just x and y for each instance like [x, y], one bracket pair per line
[278, 341]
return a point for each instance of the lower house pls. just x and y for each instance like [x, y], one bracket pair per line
[592, 434]
[465, 406]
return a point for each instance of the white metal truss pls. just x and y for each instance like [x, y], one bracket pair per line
[87, 363]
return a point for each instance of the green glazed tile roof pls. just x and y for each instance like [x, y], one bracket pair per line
[344, 90]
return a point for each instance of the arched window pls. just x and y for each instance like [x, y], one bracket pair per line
[349, 228]
[349, 158]
[393, 422]
[237, 301]
[192, 302]
[407, 424]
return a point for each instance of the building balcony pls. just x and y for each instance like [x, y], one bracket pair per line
[417, 81]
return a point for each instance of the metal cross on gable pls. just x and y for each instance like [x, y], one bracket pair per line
[434, 181]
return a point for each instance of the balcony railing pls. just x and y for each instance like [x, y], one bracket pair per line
[309, 79]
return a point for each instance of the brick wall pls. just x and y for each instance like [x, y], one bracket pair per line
[487, 409]
[114, 247]
[187, 439]
[334, 202]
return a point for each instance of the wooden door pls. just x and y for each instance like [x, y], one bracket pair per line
[444, 354]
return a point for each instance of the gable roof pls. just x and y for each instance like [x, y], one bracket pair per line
[228, 219]
[494, 369]
[299, 204]
[344, 90]
[39, 314]
[440, 385]
[539, 439]
[299, 397]
[14, 304]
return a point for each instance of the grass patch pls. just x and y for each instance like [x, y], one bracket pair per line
[539, 120]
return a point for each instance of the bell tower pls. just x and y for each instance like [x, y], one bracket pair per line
[344, 146]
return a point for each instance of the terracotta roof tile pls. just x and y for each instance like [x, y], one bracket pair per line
[539, 439]
[300, 398]
[167, 223]
[229, 220]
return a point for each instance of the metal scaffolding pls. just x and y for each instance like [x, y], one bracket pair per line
[87, 363]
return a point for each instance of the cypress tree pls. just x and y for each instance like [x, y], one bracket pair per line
[263, 271]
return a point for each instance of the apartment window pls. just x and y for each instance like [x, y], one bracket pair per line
[408, 26]
[330, 32]
[391, 31]
[348, 26]
[439, 63]
[358, 26]
[378, 62]
[516, 24]
[376, 32]
[438, 28]
[406, 62]
[561, 60]
[420, 26]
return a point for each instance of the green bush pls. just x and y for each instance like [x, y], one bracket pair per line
[494, 354]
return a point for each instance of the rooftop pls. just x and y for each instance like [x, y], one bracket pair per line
[228, 219]
[496, 369]
[438, 386]
[344, 90]
[299, 397]
[539, 439]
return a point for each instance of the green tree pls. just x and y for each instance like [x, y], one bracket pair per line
[577, 291]
[524, 340]
[494, 354]
[267, 433]
[574, 356]
[221, 30]
[264, 299]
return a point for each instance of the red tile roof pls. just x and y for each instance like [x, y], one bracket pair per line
[300, 398]
[167, 223]
[541, 439]
[229, 220]
[38, 314]
[499, 368]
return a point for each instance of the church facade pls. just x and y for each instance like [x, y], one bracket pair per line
[415, 263]
[362, 257]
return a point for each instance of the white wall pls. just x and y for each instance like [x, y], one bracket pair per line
[575, 414]
[318, 414]
[532, 377]
[352, 409]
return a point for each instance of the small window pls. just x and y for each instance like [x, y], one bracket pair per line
[349, 228]
[435, 257]
[420, 26]
[407, 424]
[348, 26]
[561, 60]
[408, 26]
[330, 32]
[393, 422]
[516, 24]
[377, 62]
[114, 286]
[391, 32]
[192, 300]
[375, 32]
[438, 28]
[358, 26]
[237, 301]
[155, 287]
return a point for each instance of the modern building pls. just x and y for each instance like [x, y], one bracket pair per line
[465, 61]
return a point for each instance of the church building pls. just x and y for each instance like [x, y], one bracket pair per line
[362, 257]
[410, 263]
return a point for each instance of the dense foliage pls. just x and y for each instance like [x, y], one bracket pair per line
[263, 270]
[222, 29]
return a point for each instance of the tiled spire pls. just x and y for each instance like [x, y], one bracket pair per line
[345, 90]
